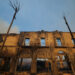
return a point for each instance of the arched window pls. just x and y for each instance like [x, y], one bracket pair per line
[58, 57]
[63, 57]
[61, 52]
[63, 63]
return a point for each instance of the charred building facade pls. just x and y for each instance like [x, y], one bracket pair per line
[38, 53]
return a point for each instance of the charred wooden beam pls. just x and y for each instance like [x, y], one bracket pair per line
[69, 28]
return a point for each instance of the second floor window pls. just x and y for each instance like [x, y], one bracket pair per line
[73, 41]
[42, 42]
[27, 42]
[58, 41]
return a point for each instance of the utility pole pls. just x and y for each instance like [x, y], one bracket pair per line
[69, 29]
[16, 7]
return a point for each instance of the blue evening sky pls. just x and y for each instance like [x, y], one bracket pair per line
[36, 15]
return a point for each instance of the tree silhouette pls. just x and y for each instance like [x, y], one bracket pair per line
[16, 7]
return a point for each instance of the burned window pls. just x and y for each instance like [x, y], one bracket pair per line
[63, 63]
[58, 57]
[43, 65]
[73, 41]
[24, 64]
[42, 41]
[65, 67]
[4, 64]
[58, 41]
[63, 57]
[1, 39]
[27, 42]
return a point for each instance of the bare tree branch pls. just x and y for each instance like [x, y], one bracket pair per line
[15, 5]
[11, 4]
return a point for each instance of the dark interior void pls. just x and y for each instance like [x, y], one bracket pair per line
[24, 65]
[23, 68]
[43, 66]
[64, 64]
[65, 68]
[1, 39]
[4, 64]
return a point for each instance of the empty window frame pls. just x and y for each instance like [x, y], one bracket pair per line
[24, 64]
[42, 41]
[1, 39]
[58, 57]
[66, 67]
[73, 41]
[65, 64]
[43, 65]
[27, 42]
[62, 55]
[4, 64]
[58, 41]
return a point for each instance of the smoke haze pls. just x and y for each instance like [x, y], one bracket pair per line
[4, 27]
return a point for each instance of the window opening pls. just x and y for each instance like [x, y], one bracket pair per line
[42, 41]
[4, 64]
[1, 39]
[27, 42]
[43, 65]
[73, 41]
[24, 64]
[64, 64]
[58, 41]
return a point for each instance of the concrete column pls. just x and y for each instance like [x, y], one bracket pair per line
[13, 65]
[72, 63]
[34, 64]
[54, 68]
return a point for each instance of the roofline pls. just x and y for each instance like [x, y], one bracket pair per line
[35, 32]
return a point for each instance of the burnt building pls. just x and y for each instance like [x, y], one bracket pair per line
[38, 53]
